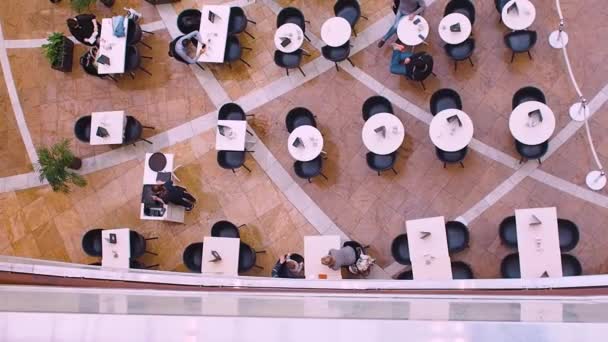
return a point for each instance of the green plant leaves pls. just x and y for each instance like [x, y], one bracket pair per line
[53, 163]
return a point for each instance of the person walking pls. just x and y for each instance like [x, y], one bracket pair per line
[409, 8]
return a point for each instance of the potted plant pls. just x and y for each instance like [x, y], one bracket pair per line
[59, 52]
[79, 5]
[56, 165]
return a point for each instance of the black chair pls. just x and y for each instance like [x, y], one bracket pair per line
[337, 54]
[405, 275]
[422, 69]
[309, 169]
[461, 270]
[509, 267]
[379, 162]
[135, 34]
[237, 22]
[174, 54]
[444, 99]
[401, 250]
[86, 62]
[457, 235]
[234, 51]
[349, 10]
[226, 229]
[520, 41]
[531, 151]
[134, 130]
[299, 116]
[91, 243]
[231, 111]
[247, 258]
[568, 235]
[356, 246]
[289, 60]
[139, 266]
[189, 20]
[374, 105]
[451, 157]
[292, 15]
[526, 94]
[499, 4]
[571, 267]
[464, 7]
[138, 244]
[133, 61]
[460, 52]
[193, 257]
[507, 231]
[232, 160]
[82, 129]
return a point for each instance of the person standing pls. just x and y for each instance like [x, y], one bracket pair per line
[169, 193]
[409, 8]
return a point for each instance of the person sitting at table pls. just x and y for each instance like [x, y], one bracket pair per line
[337, 258]
[288, 267]
[411, 8]
[168, 193]
[404, 62]
[363, 265]
[181, 46]
[85, 28]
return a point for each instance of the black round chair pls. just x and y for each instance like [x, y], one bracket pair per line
[82, 129]
[193, 257]
[225, 229]
[461, 270]
[374, 105]
[289, 60]
[349, 10]
[91, 242]
[422, 69]
[283, 272]
[337, 54]
[520, 41]
[309, 169]
[531, 151]
[571, 267]
[406, 275]
[189, 20]
[135, 34]
[464, 7]
[444, 99]
[247, 258]
[499, 4]
[379, 162]
[568, 235]
[451, 157]
[134, 130]
[231, 160]
[299, 116]
[356, 246]
[460, 52]
[234, 51]
[526, 94]
[401, 250]
[509, 267]
[507, 231]
[237, 22]
[138, 244]
[133, 61]
[231, 111]
[457, 235]
[292, 15]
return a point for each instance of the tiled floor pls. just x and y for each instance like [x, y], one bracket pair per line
[369, 208]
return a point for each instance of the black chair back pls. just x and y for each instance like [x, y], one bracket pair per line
[444, 99]
[132, 59]
[462, 51]
[509, 267]
[451, 157]
[336, 54]
[532, 151]
[231, 111]
[507, 230]
[374, 105]
[247, 257]
[237, 22]
[379, 162]
[233, 51]
[193, 257]
[521, 41]
[464, 7]
[308, 169]
[134, 33]
[82, 129]
[526, 94]
[138, 244]
[91, 242]
[133, 130]
[288, 60]
[457, 235]
[571, 267]
[461, 270]
[401, 250]
[225, 229]
[568, 235]
[291, 15]
[499, 4]
[230, 160]
[349, 10]
[189, 20]
[86, 62]
[406, 275]
[423, 68]
[299, 116]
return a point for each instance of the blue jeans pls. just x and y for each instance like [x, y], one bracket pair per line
[397, 66]
[393, 30]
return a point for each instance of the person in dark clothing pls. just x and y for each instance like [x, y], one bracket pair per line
[169, 193]
[404, 62]
[289, 266]
[85, 28]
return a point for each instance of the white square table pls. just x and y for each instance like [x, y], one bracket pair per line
[236, 142]
[214, 34]
[113, 122]
[316, 247]
[117, 254]
[430, 258]
[228, 249]
[538, 244]
[113, 47]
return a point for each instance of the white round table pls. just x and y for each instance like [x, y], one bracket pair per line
[408, 32]
[522, 129]
[375, 141]
[448, 136]
[524, 18]
[335, 31]
[291, 31]
[312, 143]
[454, 37]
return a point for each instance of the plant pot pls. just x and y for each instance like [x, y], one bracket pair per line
[108, 3]
[76, 164]
[65, 64]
